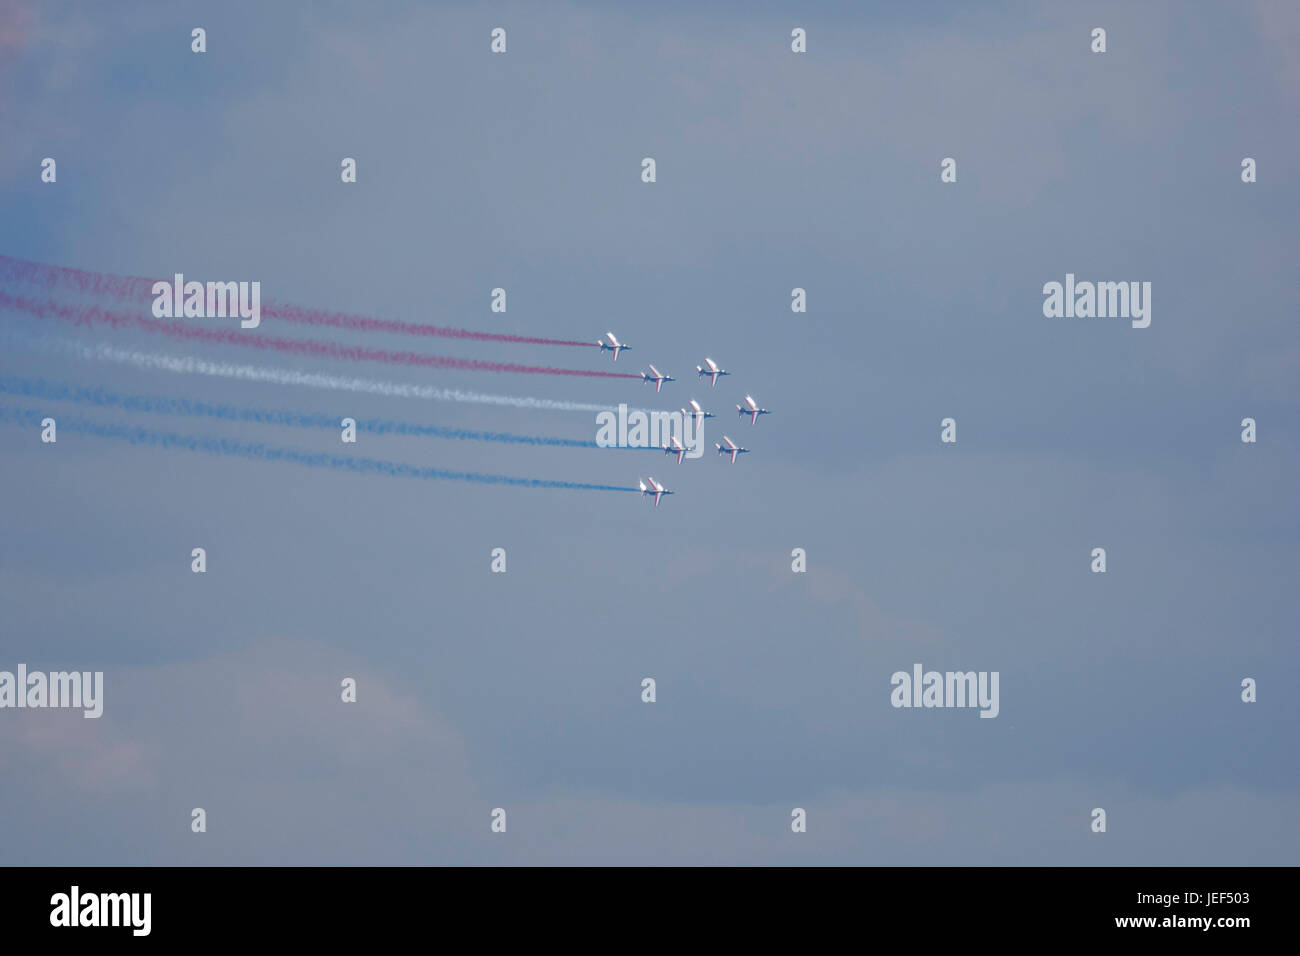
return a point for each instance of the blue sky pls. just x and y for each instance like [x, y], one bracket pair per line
[775, 170]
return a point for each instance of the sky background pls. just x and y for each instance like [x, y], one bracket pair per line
[775, 170]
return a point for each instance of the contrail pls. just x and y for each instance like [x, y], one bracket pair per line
[62, 278]
[103, 398]
[224, 446]
[90, 314]
[188, 365]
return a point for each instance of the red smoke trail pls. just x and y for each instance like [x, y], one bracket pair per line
[90, 314]
[55, 278]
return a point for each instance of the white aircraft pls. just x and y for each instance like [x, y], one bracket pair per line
[657, 377]
[675, 447]
[655, 489]
[710, 368]
[729, 447]
[697, 412]
[751, 409]
[610, 344]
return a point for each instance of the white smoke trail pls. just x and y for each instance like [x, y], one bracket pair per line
[188, 365]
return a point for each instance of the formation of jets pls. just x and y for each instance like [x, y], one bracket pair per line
[710, 370]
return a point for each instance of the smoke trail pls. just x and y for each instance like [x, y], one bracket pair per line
[224, 446]
[62, 278]
[89, 314]
[102, 398]
[188, 365]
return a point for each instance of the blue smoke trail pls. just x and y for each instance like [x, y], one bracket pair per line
[102, 398]
[224, 446]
